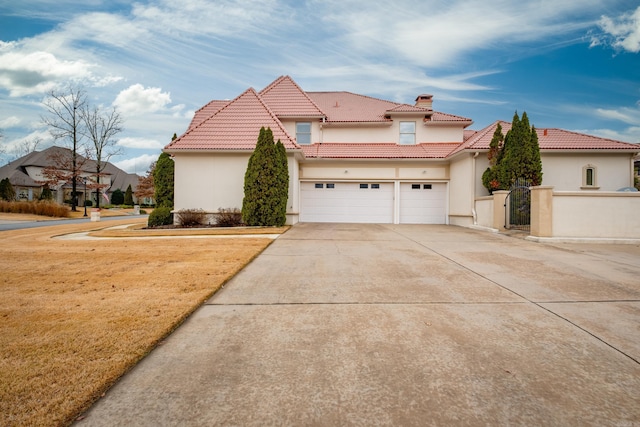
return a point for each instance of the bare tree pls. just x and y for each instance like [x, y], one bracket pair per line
[100, 126]
[65, 123]
[26, 147]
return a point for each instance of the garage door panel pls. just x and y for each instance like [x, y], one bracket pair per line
[346, 202]
[422, 203]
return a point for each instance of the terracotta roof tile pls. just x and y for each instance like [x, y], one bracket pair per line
[350, 107]
[444, 117]
[549, 139]
[207, 111]
[236, 126]
[378, 150]
[286, 99]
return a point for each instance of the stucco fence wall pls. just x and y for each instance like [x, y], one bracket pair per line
[603, 215]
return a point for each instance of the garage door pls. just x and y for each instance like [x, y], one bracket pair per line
[422, 203]
[364, 202]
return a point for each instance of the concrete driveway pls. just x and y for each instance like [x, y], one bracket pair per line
[349, 324]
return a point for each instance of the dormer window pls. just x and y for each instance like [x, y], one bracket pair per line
[408, 133]
[303, 133]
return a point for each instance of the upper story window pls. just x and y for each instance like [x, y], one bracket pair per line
[303, 132]
[589, 177]
[407, 133]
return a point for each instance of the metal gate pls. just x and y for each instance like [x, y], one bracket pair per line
[517, 206]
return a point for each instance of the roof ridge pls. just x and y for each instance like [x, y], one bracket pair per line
[273, 115]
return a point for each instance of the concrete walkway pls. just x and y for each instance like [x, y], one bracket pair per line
[346, 324]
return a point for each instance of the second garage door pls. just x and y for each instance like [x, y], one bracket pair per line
[363, 202]
[422, 203]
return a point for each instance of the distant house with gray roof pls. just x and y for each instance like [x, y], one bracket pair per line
[26, 175]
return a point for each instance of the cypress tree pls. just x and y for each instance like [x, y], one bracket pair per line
[520, 157]
[163, 181]
[490, 176]
[128, 196]
[265, 184]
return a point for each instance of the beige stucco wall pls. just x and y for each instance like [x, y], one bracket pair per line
[384, 132]
[596, 214]
[484, 212]
[368, 170]
[209, 181]
[461, 190]
[564, 171]
[214, 181]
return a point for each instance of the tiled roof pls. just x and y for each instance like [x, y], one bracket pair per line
[351, 107]
[378, 150]
[236, 126]
[549, 139]
[406, 108]
[286, 99]
[347, 107]
[207, 111]
[444, 117]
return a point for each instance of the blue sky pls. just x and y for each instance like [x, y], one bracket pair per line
[571, 64]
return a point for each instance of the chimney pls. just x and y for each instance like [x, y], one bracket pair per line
[425, 101]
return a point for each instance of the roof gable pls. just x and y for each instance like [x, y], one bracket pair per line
[236, 126]
[207, 111]
[286, 99]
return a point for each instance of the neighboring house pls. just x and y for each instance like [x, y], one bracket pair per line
[354, 158]
[26, 176]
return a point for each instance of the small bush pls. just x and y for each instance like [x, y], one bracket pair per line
[88, 203]
[191, 217]
[44, 208]
[231, 217]
[160, 217]
[117, 197]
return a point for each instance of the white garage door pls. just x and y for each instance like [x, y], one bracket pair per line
[422, 203]
[364, 202]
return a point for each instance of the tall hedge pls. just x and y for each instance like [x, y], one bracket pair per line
[266, 183]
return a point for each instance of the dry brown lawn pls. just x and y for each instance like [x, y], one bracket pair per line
[75, 315]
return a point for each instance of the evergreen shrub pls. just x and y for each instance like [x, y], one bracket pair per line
[159, 217]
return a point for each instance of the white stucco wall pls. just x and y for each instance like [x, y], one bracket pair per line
[564, 171]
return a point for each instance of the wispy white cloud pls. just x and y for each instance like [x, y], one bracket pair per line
[9, 122]
[628, 115]
[630, 134]
[621, 32]
[140, 143]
